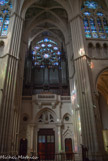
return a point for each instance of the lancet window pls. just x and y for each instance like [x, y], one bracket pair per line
[5, 11]
[95, 20]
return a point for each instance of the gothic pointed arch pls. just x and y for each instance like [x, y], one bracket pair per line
[56, 19]
[51, 4]
[102, 98]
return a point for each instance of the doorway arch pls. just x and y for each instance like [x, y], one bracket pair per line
[46, 133]
[102, 87]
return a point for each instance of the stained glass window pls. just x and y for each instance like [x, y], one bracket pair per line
[10, 5]
[5, 26]
[3, 2]
[95, 23]
[46, 53]
[91, 4]
[1, 21]
[93, 28]
[6, 7]
[87, 13]
[105, 22]
[100, 14]
[5, 11]
[87, 28]
[101, 30]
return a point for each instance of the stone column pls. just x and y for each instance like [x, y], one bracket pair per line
[32, 127]
[31, 138]
[82, 81]
[77, 133]
[35, 139]
[70, 63]
[6, 110]
[13, 133]
[59, 138]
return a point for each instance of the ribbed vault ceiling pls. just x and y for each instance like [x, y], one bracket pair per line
[46, 18]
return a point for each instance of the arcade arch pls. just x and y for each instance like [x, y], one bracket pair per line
[102, 87]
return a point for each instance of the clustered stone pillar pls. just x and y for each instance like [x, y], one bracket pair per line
[88, 124]
[8, 118]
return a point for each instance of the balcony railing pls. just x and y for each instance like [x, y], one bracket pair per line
[47, 96]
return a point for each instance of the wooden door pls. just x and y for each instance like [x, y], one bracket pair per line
[68, 148]
[46, 144]
[23, 147]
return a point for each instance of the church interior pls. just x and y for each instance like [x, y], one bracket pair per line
[54, 79]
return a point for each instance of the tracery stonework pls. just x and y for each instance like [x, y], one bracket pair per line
[95, 20]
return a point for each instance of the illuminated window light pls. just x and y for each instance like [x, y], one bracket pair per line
[46, 56]
[91, 65]
[43, 45]
[82, 52]
[47, 49]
